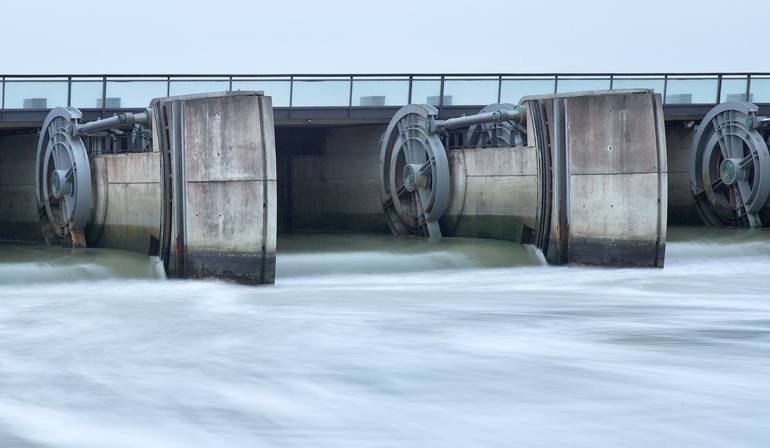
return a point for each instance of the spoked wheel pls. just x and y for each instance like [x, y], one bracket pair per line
[63, 178]
[730, 167]
[414, 173]
[502, 134]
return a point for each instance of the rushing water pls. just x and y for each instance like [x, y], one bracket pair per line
[376, 341]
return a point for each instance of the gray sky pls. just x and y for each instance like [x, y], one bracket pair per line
[393, 36]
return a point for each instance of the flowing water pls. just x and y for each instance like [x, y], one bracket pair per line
[384, 342]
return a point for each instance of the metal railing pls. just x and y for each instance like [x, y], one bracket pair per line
[39, 92]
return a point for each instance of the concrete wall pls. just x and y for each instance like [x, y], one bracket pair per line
[337, 190]
[617, 187]
[606, 186]
[681, 205]
[19, 219]
[224, 184]
[126, 201]
[493, 193]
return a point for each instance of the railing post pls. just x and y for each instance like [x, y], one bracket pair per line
[291, 91]
[499, 89]
[719, 88]
[168, 85]
[748, 87]
[69, 91]
[555, 84]
[2, 94]
[665, 88]
[441, 95]
[409, 97]
[612, 81]
[350, 93]
[230, 87]
[104, 96]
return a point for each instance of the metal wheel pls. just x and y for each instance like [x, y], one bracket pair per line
[730, 167]
[502, 134]
[63, 175]
[414, 173]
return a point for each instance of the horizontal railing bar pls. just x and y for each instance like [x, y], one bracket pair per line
[374, 75]
[345, 107]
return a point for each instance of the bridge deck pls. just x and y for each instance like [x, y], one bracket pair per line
[340, 99]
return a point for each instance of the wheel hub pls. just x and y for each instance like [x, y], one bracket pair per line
[728, 171]
[59, 184]
[413, 178]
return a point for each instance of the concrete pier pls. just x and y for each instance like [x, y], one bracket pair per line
[219, 193]
[605, 189]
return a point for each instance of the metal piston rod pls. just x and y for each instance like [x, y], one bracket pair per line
[118, 121]
[516, 115]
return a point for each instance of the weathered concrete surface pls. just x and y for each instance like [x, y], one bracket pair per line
[493, 193]
[19, 220]
[607, 168]
[617, 166]
[126, 201]
[337, 190]
[223, 160]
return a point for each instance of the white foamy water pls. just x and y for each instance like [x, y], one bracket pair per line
[371, 341]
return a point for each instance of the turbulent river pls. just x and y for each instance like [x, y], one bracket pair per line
[369, 341]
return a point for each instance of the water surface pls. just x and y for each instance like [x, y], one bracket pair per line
[382, 342]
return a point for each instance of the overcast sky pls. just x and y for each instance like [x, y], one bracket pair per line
[391, 36]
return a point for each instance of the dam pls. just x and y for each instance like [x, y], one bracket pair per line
[588, 169]
[464, 260]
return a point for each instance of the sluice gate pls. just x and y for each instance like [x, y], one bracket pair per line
[586, 185]
[206, 182]
[202, 199]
